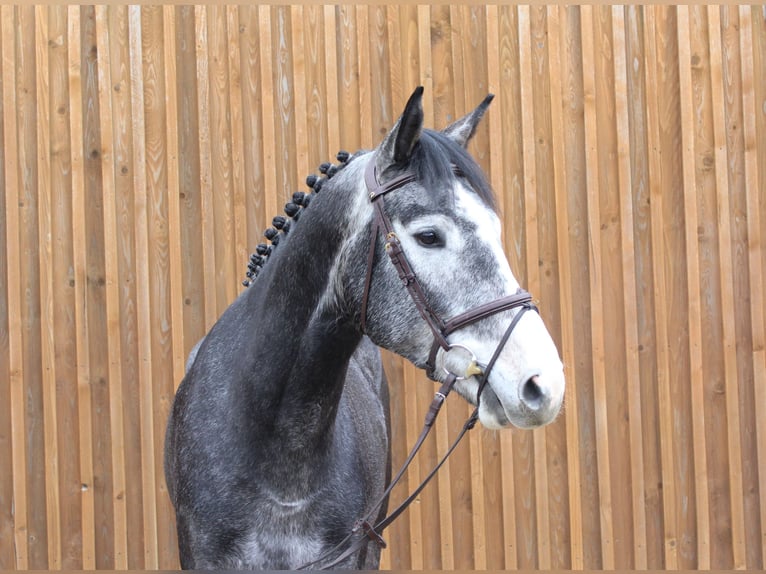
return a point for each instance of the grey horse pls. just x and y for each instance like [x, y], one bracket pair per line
[278, 439]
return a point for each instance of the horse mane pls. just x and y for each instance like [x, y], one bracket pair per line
[280, 225]
[432, 161]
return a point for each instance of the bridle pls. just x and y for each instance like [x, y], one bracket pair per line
[441, 329]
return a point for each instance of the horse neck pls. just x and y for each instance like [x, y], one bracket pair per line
[301, 340]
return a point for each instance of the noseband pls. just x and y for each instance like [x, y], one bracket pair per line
[441, 329]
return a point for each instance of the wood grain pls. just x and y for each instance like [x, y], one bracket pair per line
[629, 279]
[146, 148]
[13, 254]
[82, 334]
[112, 296]
[729, 351]
[693, 284]
[660, 295]
[149, 502]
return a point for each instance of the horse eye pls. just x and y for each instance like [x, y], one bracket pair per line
[428, 238]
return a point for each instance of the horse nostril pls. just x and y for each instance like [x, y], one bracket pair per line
[531, 393]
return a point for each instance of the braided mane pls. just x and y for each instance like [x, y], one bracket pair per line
[281, 225]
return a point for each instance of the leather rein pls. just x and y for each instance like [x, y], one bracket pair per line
[364, 531]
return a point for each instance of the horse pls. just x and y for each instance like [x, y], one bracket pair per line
[278, 437]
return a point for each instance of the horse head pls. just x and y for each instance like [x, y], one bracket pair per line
[442, 216]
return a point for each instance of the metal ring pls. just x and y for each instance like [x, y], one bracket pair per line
[474, 362]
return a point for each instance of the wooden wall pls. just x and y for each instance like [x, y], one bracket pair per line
[144, 150]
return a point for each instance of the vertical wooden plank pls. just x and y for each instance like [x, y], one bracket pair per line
[530, 217]
[332, 84]
[454, 78]
[727, 288]
[499, 60]
[173, 190]
[96, 293]
[284, 106]
[45, 239]
[446, 518]
[395, 556]
[425, 59]
[735, 117]
[7, 528]
[159, 280]
[13, 254]
[629, 284]
[63, 293]
[268, 110]
[355, 130]
[298, 52]
[539, 436]
[594, 219]
[239, 190]
[119, 501]
[532, 254]
[348, 89]
[503, 553]
[613, 302]
[413, 472]
[196, 298]
[557, 43]
[148, 474]
[539, 61]
[315, 89]
[395, 16]
[732, 383]
[754, 244]
[496, 174]
[660, 294]
[478, 508]
[679, 411]
[362, 73]
[222, 219]
[576, 173]
[27, 120]
[252, 141]
[718, 546]
[564, 506]
[693, 294]
[168, 547]
[641, 204]
[206, 176]
[119, 91]
[79, 242]
[381, 112]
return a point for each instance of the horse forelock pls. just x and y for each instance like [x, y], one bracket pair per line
[432, 162]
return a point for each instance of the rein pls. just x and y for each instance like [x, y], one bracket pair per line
[363, 530]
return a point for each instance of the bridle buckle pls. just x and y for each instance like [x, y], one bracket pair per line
[473, 369]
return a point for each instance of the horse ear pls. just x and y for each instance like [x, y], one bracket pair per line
[463, 129]
[397, 147]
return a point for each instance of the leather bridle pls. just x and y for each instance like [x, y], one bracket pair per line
[521, 300]
[441, 329]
